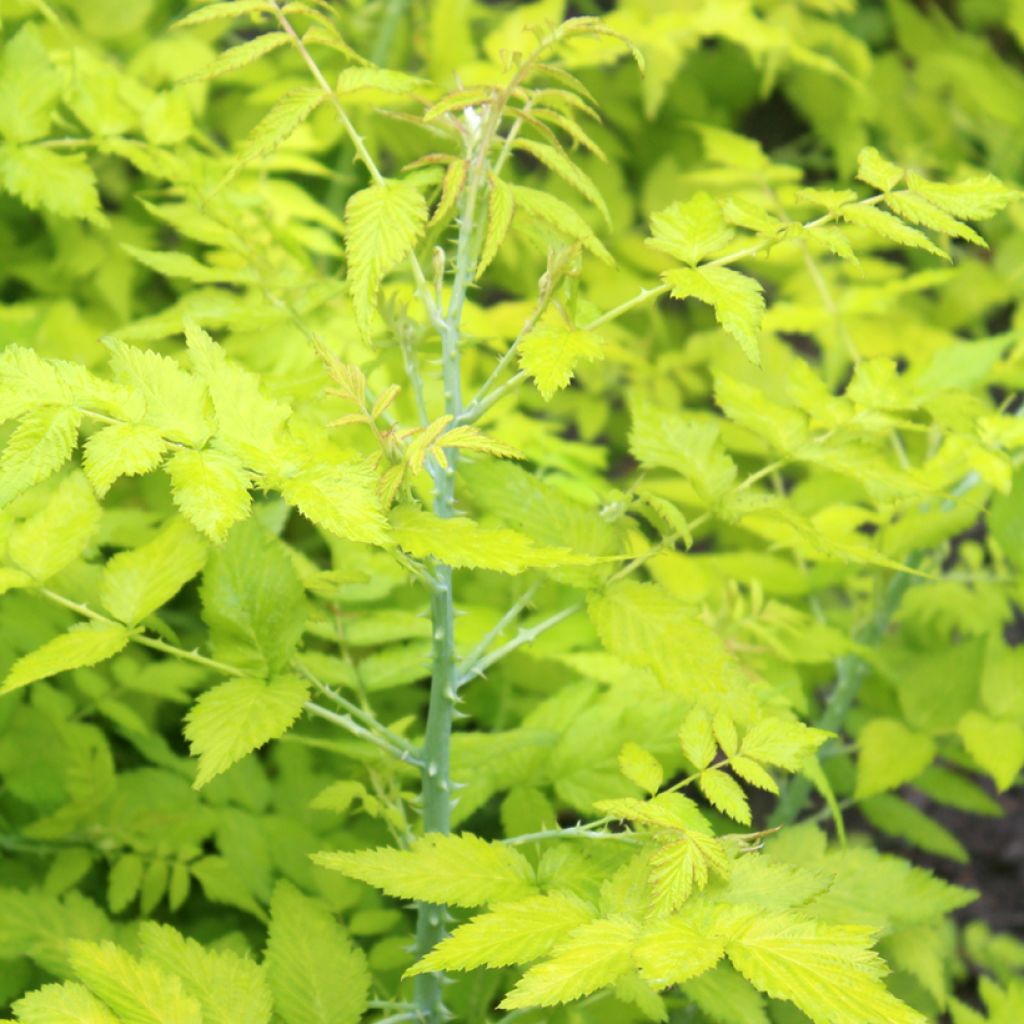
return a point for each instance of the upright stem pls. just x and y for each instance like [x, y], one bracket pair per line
[444, 682]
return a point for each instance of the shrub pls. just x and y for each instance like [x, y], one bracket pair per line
[506, 511]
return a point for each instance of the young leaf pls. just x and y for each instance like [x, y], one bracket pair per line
[784, 744]
[682, 867]
[510, 933]
[316, 974]
[891, 228]
[726, 794]
[123, 449]
[42, 443]
[595, 955]
[382, 224]
[210, 489]
[341, 498]
[640, 766]
[973, 199]
[690, 231]
[59, 183]
[451, 189]
[876, 171]
[462, 870]
[672, 951]
[278, 124]
[560, 216]
[738, 301]
[560, 164]
[998, 747]
[549, 355]
[697, 740]
[138, 992]
[500, 208]
[238, 717]
[239, 56]
[136, 583]
[79, 647]
[888, 755]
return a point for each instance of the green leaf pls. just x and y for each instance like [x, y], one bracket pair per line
[229, 988]
[79, 647]
[186, 267]
[972, 199]
[382, 224]
[175, 402]
[58, 183]
[29, 86]
[738, 301]
[672, 951]
[221, 11]
[682, 867]
[139, 993]
[136, 583]
[238, 717]
[595, 955]
[341, 498]
[278, 124]
[124, 449]
[466, 544]
[900, 818]
[876, 171]
[35, 451]
[726, 794]
[500, 208]
[550, 355]
[510, 933]
[697, 739]
[998, 747]
[546, 208]
[640, 766]
[828, 971]
[56, 535]
[782, 743]
[663, 439]
[451, 189]
[917, 210]
[462, 870]
[253, 600]
[891, 228]
[315, 972]
[239, 56]
[69, 1003]
[556, 161]
[123, 882]
[889, 754]
[210, 489]
[690, 231]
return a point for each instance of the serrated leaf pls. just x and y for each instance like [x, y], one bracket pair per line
[888, 755]
[451, 189]
[42, 443]
[398, 83]
[139, 993]
[510, 933]
[238, 717]
[691, 231]
[123, 881]
[382, 224]
[80, 647]
[136, 583]
[556, 161]
[697, 739]
[278, 124]
[673, 951]
[239, 56]
[725, 793]
[340, 498]
[641, 767]
[69, 1003]
[465, 544]
[876, 171]
[781, 743]
[594, 956]
[737, 299]
[671, 811]
[182, 265]
[500, 208]
[222, 11]
[559, 216]
[828, 971]
[890, 228]
[122, 449]
[550, 355]
[253, 600]
[210, 489]
[29, 86]
[57, 534]
[229, 988]
[462, 870]
[59, 183]
[750, 771]
[998, 747]
[316, 974]
[973, 199]
[917, 210]
[682, 867]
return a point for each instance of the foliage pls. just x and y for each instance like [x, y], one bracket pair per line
[547, 485]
